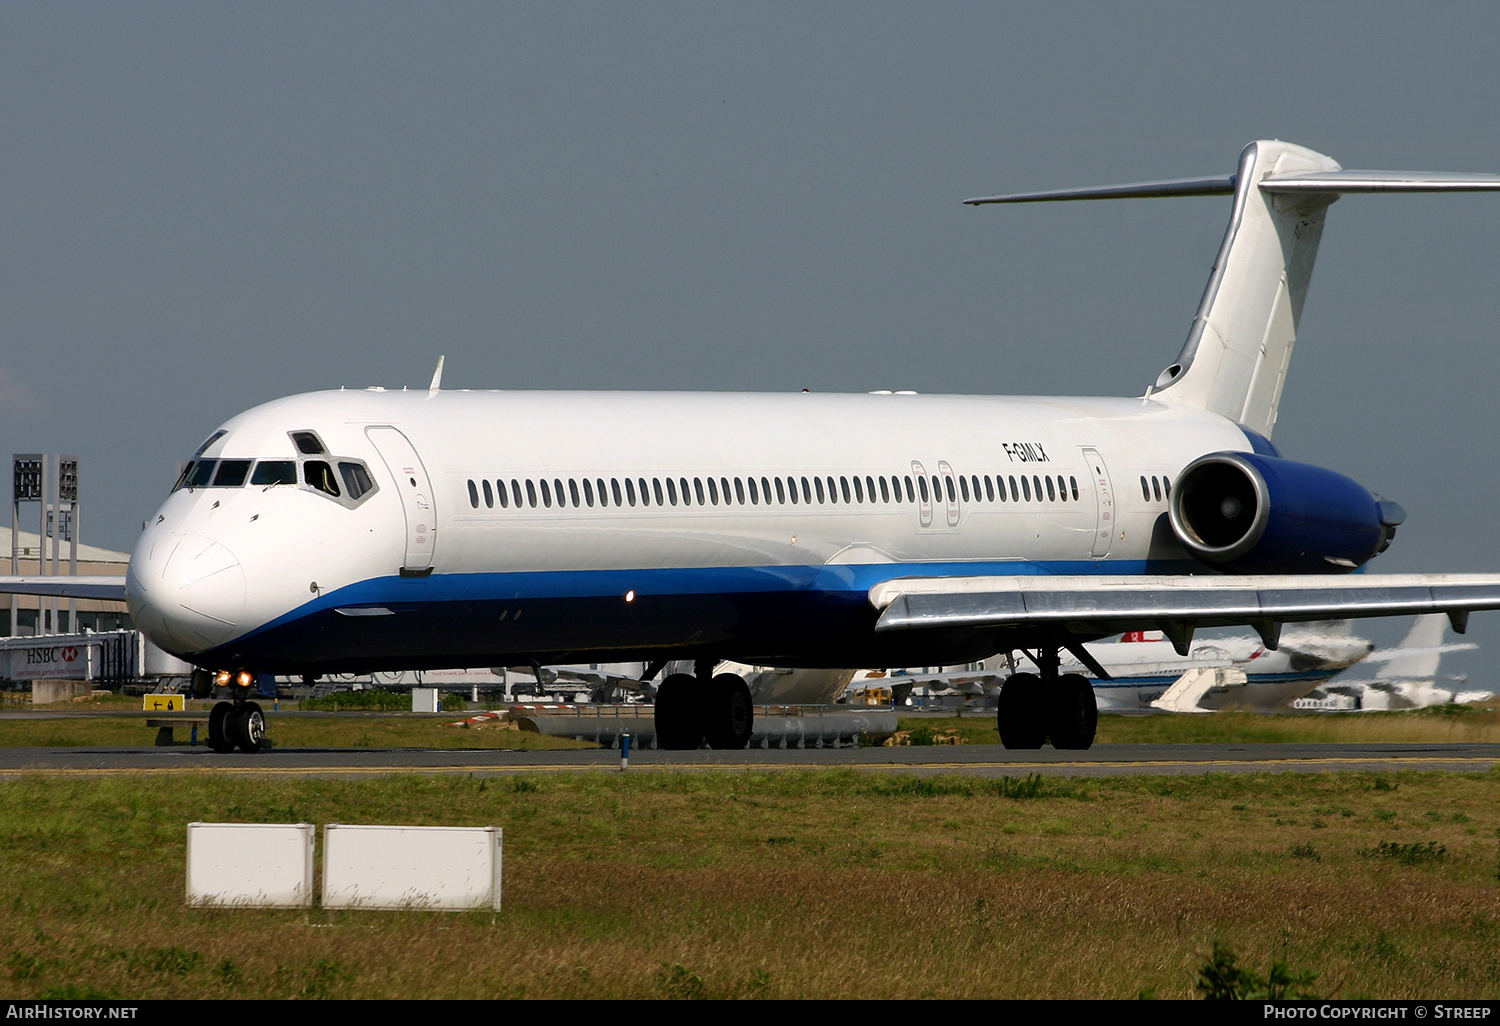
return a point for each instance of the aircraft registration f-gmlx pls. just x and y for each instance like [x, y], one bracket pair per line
[352, 531]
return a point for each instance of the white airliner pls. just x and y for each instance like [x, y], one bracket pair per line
[1222, 673]
[352, 531]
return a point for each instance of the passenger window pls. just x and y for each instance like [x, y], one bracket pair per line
[630, 491]
[713, 491]
[588, 493]
[489, 493]
[1015, 493]
[922, 483]
[473, 495]
[319, 475]
[724, 485]
[819, 482]
[739, 490]
[952, 494]
[963, 488]
[274, 472]
[1074, 482]
[698, 489]
[885, 492]
[1026, 487]
[1156, 487]
[546, 494]
[989, 489]
[1062, 488]
[1000, 487]
[232, 473]
[1037, 484]
[844, 487]
[656, 490]
[614, 489]
[1145, 490]
[603, 492]
[1051, 494]
[562, 498]
[911, 495]
[515, 492]
[646, 491]
[859, 490]
[531, 493]
[755, 498]
[500, 489]
[781, 495]
[765, 489]
[672, 492]
[308, 443]
[1166, 486]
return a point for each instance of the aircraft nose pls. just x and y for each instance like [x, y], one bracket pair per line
[187, 592]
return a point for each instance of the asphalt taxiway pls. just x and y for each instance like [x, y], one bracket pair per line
[976, 760]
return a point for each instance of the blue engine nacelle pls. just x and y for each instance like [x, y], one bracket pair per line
[1251, 514]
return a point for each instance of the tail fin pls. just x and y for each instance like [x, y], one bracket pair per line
[1235, 359]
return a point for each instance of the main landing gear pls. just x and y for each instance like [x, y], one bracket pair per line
[1037, 708]
[693, 709]
[238, 723]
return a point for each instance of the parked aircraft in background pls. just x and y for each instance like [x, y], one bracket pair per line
[1145, 671]
[1408, 679]
[358, 531]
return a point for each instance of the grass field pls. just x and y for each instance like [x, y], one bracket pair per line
[1438, 724]
[830, 884]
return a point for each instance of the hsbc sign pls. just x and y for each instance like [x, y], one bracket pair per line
[60, 662]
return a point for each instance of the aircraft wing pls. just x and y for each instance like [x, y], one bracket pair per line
[65, 587]
[1175, 605]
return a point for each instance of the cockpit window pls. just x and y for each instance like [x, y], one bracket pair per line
[319, 475]
[357, 480]
[232, 473]
[209, 441]
[308, 443]
[274, 472]
[201, 473]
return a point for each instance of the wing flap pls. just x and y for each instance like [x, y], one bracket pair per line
[1111, 604]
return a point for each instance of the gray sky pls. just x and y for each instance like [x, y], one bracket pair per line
[205, 206]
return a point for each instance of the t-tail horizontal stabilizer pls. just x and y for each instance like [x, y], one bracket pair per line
[1235, 359]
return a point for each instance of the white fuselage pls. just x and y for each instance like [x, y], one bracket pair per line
[648, 524]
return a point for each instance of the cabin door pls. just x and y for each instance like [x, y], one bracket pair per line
[415, 489]
[1104, 497]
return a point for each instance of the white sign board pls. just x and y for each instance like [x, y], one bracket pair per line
[53, 662]
[396, 867]
[250, 865]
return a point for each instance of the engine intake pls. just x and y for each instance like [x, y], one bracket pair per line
[1247, 513]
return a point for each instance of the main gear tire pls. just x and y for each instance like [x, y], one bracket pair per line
[679, 720]
[730, 713]
[1020, 715]
[1072, 713]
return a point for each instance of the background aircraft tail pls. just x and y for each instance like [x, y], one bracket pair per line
[1235, 359]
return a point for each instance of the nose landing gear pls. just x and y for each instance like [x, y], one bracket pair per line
[238, 723]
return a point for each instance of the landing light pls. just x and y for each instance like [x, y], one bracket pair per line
[630, 596]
